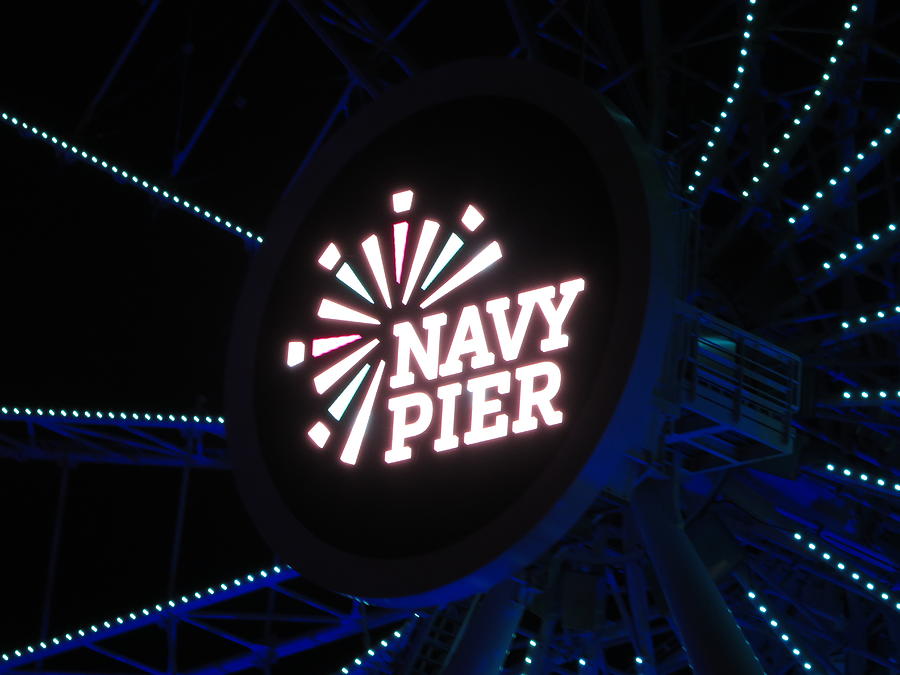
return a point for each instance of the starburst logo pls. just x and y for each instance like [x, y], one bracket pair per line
[442, 373]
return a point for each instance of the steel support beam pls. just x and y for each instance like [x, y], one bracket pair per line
[482, 648]
[714, 642]
[182, 155]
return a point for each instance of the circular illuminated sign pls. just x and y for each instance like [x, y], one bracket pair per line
[430, 366]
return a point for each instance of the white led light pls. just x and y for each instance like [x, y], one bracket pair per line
[402, 201]
[329, 309]
[472, 218]
[357, 432]
[319, 434]
[327, 378]
[482, 260]
[423, 247]
[372, 250]
[330, 257]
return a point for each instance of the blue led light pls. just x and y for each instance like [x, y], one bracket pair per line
[886, 237]
[865, 479]
[713, 141]
[808, 108]
[885, 313]
[783, 635]
[108, 624]
[148, 187]
[100, 417]
[869, 585]
[848, 169]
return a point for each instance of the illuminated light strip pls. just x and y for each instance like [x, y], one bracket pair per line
[808, 106]
[133, 180]
[339, 407]
[319, 434]
[402, 201]
[296, 353]
[329, 309]
[354, 441]
[150, 615]
[454, 243]
[401, 230]
[729, 100]
[880, 315]
[372, 249]
[324, 345]
[869, 585]
[360, 663]
[103, 417]
[877, 316]
[426, 240]
[330, 257]
[863, 397]
[847, 170]
[866, 479]
[784, 636]
[472, 218]
[884, 238]
[327, 378]
[484, 259]
[348, 277]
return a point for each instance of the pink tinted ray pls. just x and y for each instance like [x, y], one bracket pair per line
[482, 260]
[426, 240]
[329, 309]
[350, 453]
[327, 378]
[400, 232]
[324, 345]
[372, 248]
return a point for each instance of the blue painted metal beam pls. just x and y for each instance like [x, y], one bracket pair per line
[112, 437]
[133, 39]
[182, 155]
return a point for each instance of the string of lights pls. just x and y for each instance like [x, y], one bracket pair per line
[864, 478]
[148, 615]
[360, 663]
[871, 586]
[881, 239]
[863, 397]
[860, 165]
[100, 417]
[778, 628]
[132, 179]
[582, 663]
[716, 138]
[866, 319]
[776, 155]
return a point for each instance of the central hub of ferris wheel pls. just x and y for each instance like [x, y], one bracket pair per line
[429, 362]
[449, 343]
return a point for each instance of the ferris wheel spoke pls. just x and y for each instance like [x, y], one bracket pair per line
[712, 154]
[773, 168]
[128, 178]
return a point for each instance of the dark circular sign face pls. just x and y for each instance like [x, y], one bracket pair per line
[437, 333]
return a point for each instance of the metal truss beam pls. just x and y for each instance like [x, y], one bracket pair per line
[98, 437]
[304, 625]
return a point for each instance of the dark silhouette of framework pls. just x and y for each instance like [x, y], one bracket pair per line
[775, 123]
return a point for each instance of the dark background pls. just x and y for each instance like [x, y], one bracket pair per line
[113, 301]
